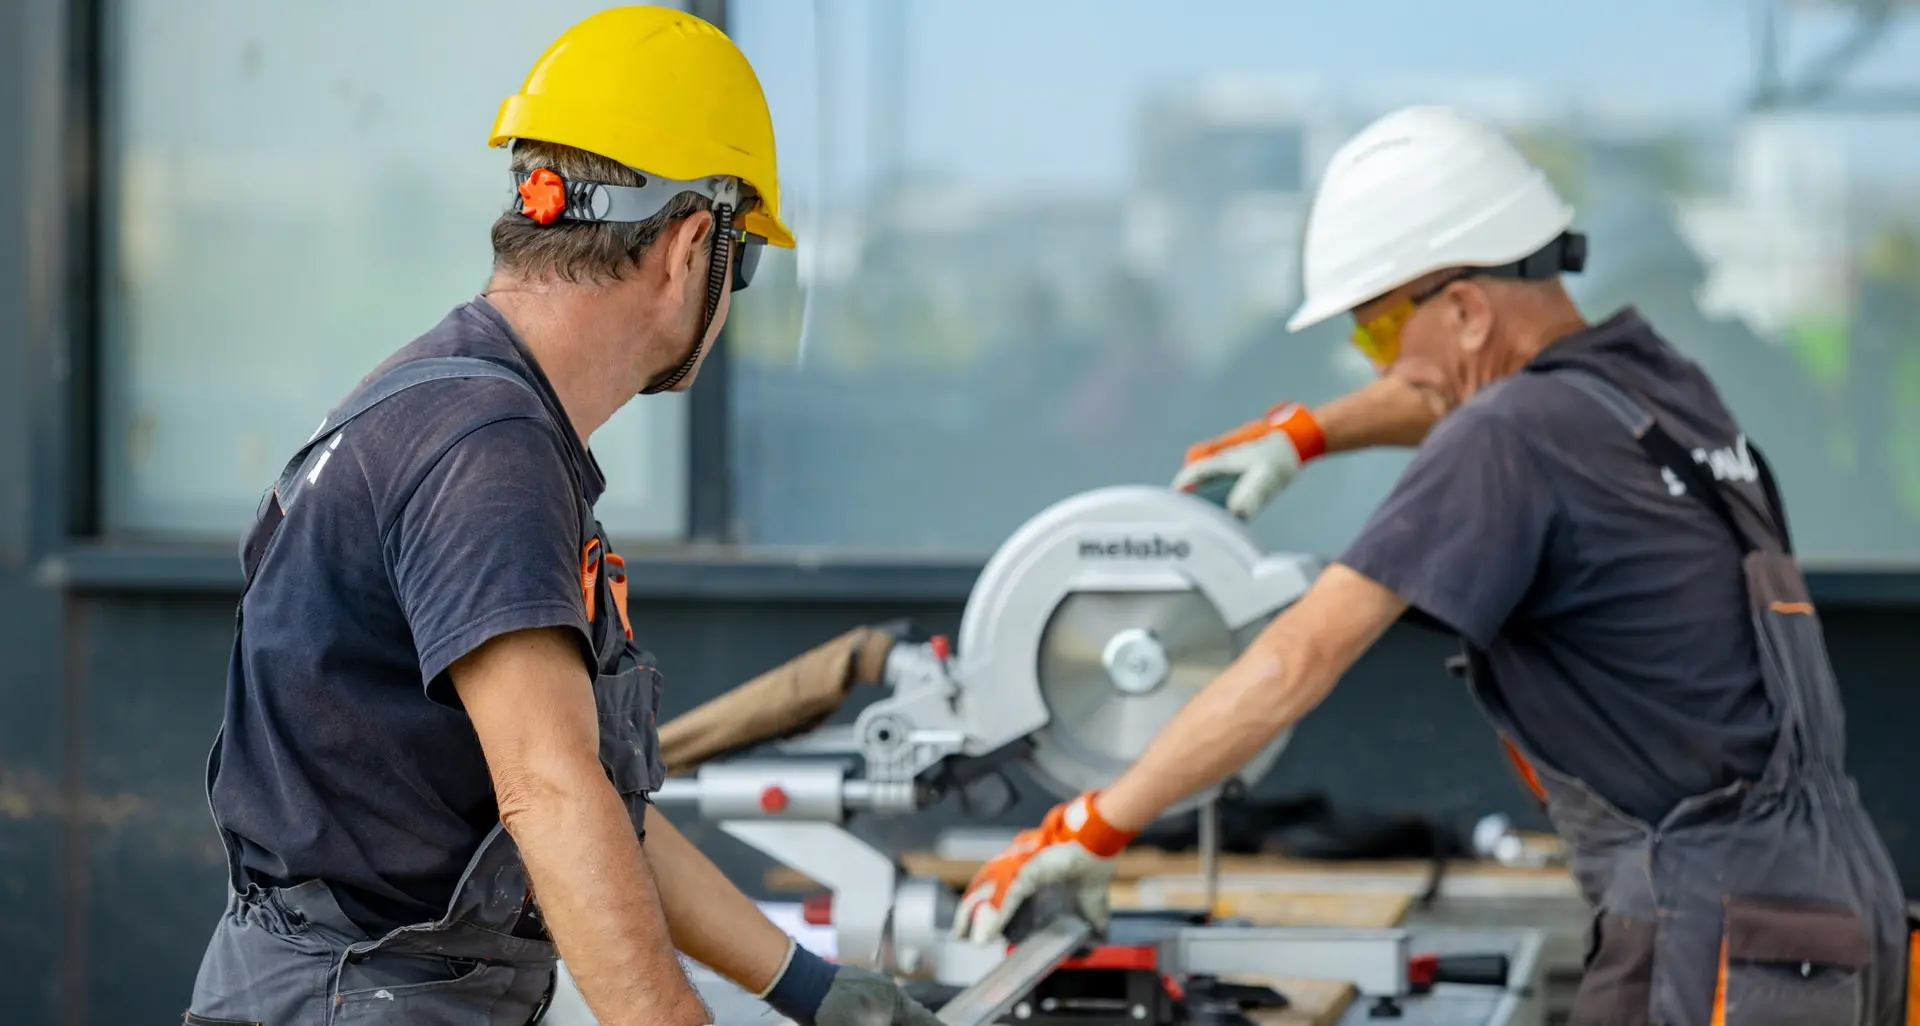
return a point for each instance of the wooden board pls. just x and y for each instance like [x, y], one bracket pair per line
[1309, 1002]
[1351, 910]
[1140, 864]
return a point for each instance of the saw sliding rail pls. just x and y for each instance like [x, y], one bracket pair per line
[1024, 967]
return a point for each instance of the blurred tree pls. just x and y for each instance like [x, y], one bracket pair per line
[1883, 383]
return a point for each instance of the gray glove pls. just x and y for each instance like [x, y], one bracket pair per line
[862, 998]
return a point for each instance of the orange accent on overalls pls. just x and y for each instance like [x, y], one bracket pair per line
[1525, 769]
[617, 583]
[589, 574]
[591, 559]
[1720, 990]
[1913, 974]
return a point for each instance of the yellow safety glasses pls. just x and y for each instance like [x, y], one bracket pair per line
[1378, 338]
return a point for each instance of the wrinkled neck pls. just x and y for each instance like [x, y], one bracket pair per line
[568, 335]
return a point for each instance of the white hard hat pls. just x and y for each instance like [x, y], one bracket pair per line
[1421, 189]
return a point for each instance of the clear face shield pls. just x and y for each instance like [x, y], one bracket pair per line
[819, 96]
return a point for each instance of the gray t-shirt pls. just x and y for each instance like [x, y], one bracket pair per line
[1611, 610]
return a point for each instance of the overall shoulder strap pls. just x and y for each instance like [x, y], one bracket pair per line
[280, 498]
[377, 391]
[1667, 452]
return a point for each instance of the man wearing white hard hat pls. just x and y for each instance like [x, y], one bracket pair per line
[1611, 549]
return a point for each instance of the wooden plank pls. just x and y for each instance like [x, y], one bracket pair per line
[1359, 910]
[1140, 864]
[1309, 1002]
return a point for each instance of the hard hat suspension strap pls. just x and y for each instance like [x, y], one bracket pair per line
[546, 198]
[717, 266]
[1566, 254]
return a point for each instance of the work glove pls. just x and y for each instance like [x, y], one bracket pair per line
[859, 997]
[1259, 457]
[1072, 846]
[812, 991]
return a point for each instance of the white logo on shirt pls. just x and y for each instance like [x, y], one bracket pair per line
[313, 476]
[1728, 463]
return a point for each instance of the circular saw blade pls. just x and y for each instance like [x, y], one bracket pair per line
[1096, 728]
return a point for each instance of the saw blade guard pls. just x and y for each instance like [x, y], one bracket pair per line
[1099, 618]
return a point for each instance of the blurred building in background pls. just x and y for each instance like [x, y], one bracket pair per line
[1078, 304]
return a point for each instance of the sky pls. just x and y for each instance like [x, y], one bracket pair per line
[1040, 92]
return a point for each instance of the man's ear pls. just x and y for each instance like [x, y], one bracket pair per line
[687, 248]
[1472, 311]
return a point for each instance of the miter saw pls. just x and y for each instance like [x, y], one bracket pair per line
[1085, 633]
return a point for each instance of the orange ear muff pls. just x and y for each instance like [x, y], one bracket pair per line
[543, 196]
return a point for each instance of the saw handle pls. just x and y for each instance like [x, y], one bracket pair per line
[1488, 970]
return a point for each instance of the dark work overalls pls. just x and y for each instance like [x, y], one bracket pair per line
[1766, 901]
[289, 956]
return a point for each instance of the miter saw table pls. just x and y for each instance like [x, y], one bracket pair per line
[1085, 633]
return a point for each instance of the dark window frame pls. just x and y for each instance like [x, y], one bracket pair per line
[63, 339]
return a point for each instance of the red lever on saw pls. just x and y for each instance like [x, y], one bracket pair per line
[1423, 971]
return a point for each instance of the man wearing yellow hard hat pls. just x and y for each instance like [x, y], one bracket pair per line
[1586, 513]
[432, 773]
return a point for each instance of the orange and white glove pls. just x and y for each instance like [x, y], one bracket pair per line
[1072, 846]
[1262, 456]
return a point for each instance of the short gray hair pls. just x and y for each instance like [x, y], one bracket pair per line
[584, 253]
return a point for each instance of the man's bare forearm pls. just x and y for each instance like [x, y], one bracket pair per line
[600, 902]
[1384, 412]
[531, 702]
[1288, 670]
[1217, 732]
[712, 922]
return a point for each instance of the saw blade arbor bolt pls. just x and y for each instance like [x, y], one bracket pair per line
[1136, 661]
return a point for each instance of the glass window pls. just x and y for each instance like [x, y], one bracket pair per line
[1048, 246]
[296, 189]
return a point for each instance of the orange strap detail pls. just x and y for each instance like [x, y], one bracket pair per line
[1250, 431]
[1297, 421]
[1525, 769]
[617, 583]
[1720, 990]
[1800, 608]
[1293, 419]
[589, 574]
[1093, 832]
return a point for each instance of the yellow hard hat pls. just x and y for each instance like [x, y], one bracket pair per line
[660, 91]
